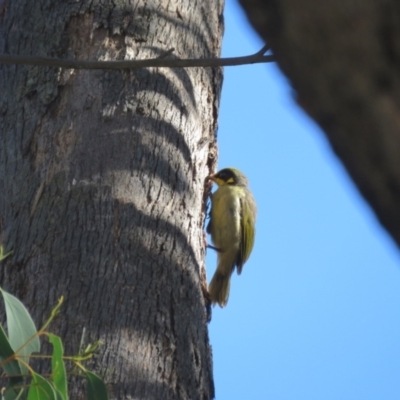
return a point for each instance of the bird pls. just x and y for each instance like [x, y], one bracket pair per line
[232, 228]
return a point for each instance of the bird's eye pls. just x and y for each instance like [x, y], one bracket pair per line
[227, 177]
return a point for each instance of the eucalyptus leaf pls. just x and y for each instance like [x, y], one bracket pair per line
[58, 372]
[22, 332]
[6, 352]
[41, 389]
[95, 387]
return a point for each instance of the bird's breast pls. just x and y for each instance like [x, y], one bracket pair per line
[225, 217]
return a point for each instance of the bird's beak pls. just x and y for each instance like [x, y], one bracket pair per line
[211, 178]
[215, 179]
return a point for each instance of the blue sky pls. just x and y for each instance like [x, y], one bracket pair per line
[315, 313]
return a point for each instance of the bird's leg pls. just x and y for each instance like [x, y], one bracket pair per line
[209, 245]
[214, 248]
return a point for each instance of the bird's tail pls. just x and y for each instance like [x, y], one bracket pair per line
[219, 288]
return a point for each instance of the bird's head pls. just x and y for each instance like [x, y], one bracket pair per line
[229, 176]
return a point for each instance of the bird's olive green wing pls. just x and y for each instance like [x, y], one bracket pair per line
[247, 222]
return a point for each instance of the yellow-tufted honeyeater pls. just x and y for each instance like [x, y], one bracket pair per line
[232, 228]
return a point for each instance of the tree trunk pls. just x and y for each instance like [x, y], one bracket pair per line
[343, 59]
[102, 184]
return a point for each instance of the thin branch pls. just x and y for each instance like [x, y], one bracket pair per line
[262, 51]
[160, 61]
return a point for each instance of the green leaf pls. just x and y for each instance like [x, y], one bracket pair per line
[58, 394]
[21, 329]
[58, 367]
[95, 387]
[41, 389]
[6, 351]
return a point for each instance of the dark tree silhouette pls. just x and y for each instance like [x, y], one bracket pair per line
[342, 58]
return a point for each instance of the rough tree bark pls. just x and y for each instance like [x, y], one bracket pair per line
[102, 183]
[343, 59]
